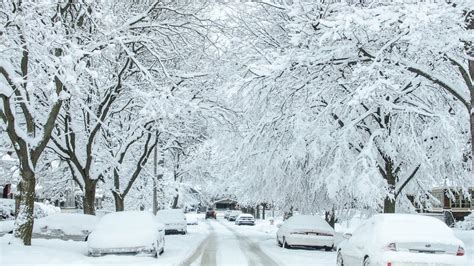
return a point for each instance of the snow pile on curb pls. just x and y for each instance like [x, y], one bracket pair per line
[467, 224]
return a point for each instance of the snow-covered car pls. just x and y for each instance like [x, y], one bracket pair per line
[191, 219]
[135, 232]
[401, 239]
[65, 226]
[306, 231]
[233, 215]
[226, 214]
[246, 219]
[174, 221]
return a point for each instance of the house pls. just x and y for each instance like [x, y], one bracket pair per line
[449, 199]
[225, 204]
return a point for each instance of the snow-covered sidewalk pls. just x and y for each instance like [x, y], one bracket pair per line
[178, 248]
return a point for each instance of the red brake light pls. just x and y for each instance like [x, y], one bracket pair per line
[389, 264]
[460, 251]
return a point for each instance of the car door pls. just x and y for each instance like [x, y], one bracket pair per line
[354, 249]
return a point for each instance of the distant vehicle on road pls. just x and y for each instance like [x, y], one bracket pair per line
[401, 239]
[226, 214]
[233, 215]
[211, 213]
[174, 221]
[306, 231]
[135, 232]
[65, 226]
[245, 219]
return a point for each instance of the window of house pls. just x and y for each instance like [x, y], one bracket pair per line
[460, 201]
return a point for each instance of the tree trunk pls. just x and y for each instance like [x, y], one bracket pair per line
[330, 217]
[119, 201]
[24, 220]
[258, 212]
[175, 201]
[389, 202]
[89, 197]
[264, 206]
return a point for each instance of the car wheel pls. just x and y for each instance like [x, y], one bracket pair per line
[328, 248]
[339, 260]
[285, 245]
[367, 261]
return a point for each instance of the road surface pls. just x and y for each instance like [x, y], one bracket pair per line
[226, 246]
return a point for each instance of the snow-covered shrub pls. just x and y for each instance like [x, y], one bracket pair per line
[467, 224]
[7, 209]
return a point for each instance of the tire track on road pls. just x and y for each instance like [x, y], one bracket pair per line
[206, 251]
[255, 255]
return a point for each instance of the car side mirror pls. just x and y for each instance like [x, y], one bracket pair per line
[347, 235]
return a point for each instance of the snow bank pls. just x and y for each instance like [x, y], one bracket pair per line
[467, 224]
[124, 230]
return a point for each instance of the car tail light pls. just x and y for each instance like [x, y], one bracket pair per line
[389, 264]
[391, 247]
[460, 251]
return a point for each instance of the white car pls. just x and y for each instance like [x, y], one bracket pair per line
[174, 221]
[306, 231]
[65, 226]
[401, 239]
[233, 215]
[191, 219]
[245, 218]
[135, 232]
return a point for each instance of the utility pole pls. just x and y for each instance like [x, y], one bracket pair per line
[155, 176]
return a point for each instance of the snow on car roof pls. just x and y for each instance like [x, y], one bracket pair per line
[69, 223]
[124, 229]
[246, 215]
[308, 221]
[170, 215]
[412, 227]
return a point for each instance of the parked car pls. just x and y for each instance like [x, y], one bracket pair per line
[233, 215]
[65, 226]
[226, 214]
[396, 239]
[191, 219]
[246, 219]
[306, 231]
[211, 213]
[174, 221]
[135, 232]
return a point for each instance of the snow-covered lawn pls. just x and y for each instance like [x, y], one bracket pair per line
[178, 248]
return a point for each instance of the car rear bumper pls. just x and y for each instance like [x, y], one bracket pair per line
[309, 240]
[246, 222]
[421, 259]
[97, 252]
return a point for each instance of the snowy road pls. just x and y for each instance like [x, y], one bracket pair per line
[226, 246]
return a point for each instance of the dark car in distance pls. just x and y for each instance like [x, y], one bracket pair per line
[210, 213]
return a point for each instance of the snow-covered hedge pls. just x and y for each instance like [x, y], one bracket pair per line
[7, 209]
[467, 224]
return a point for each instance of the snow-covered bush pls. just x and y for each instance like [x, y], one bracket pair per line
[467, 224]
[7, 209]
